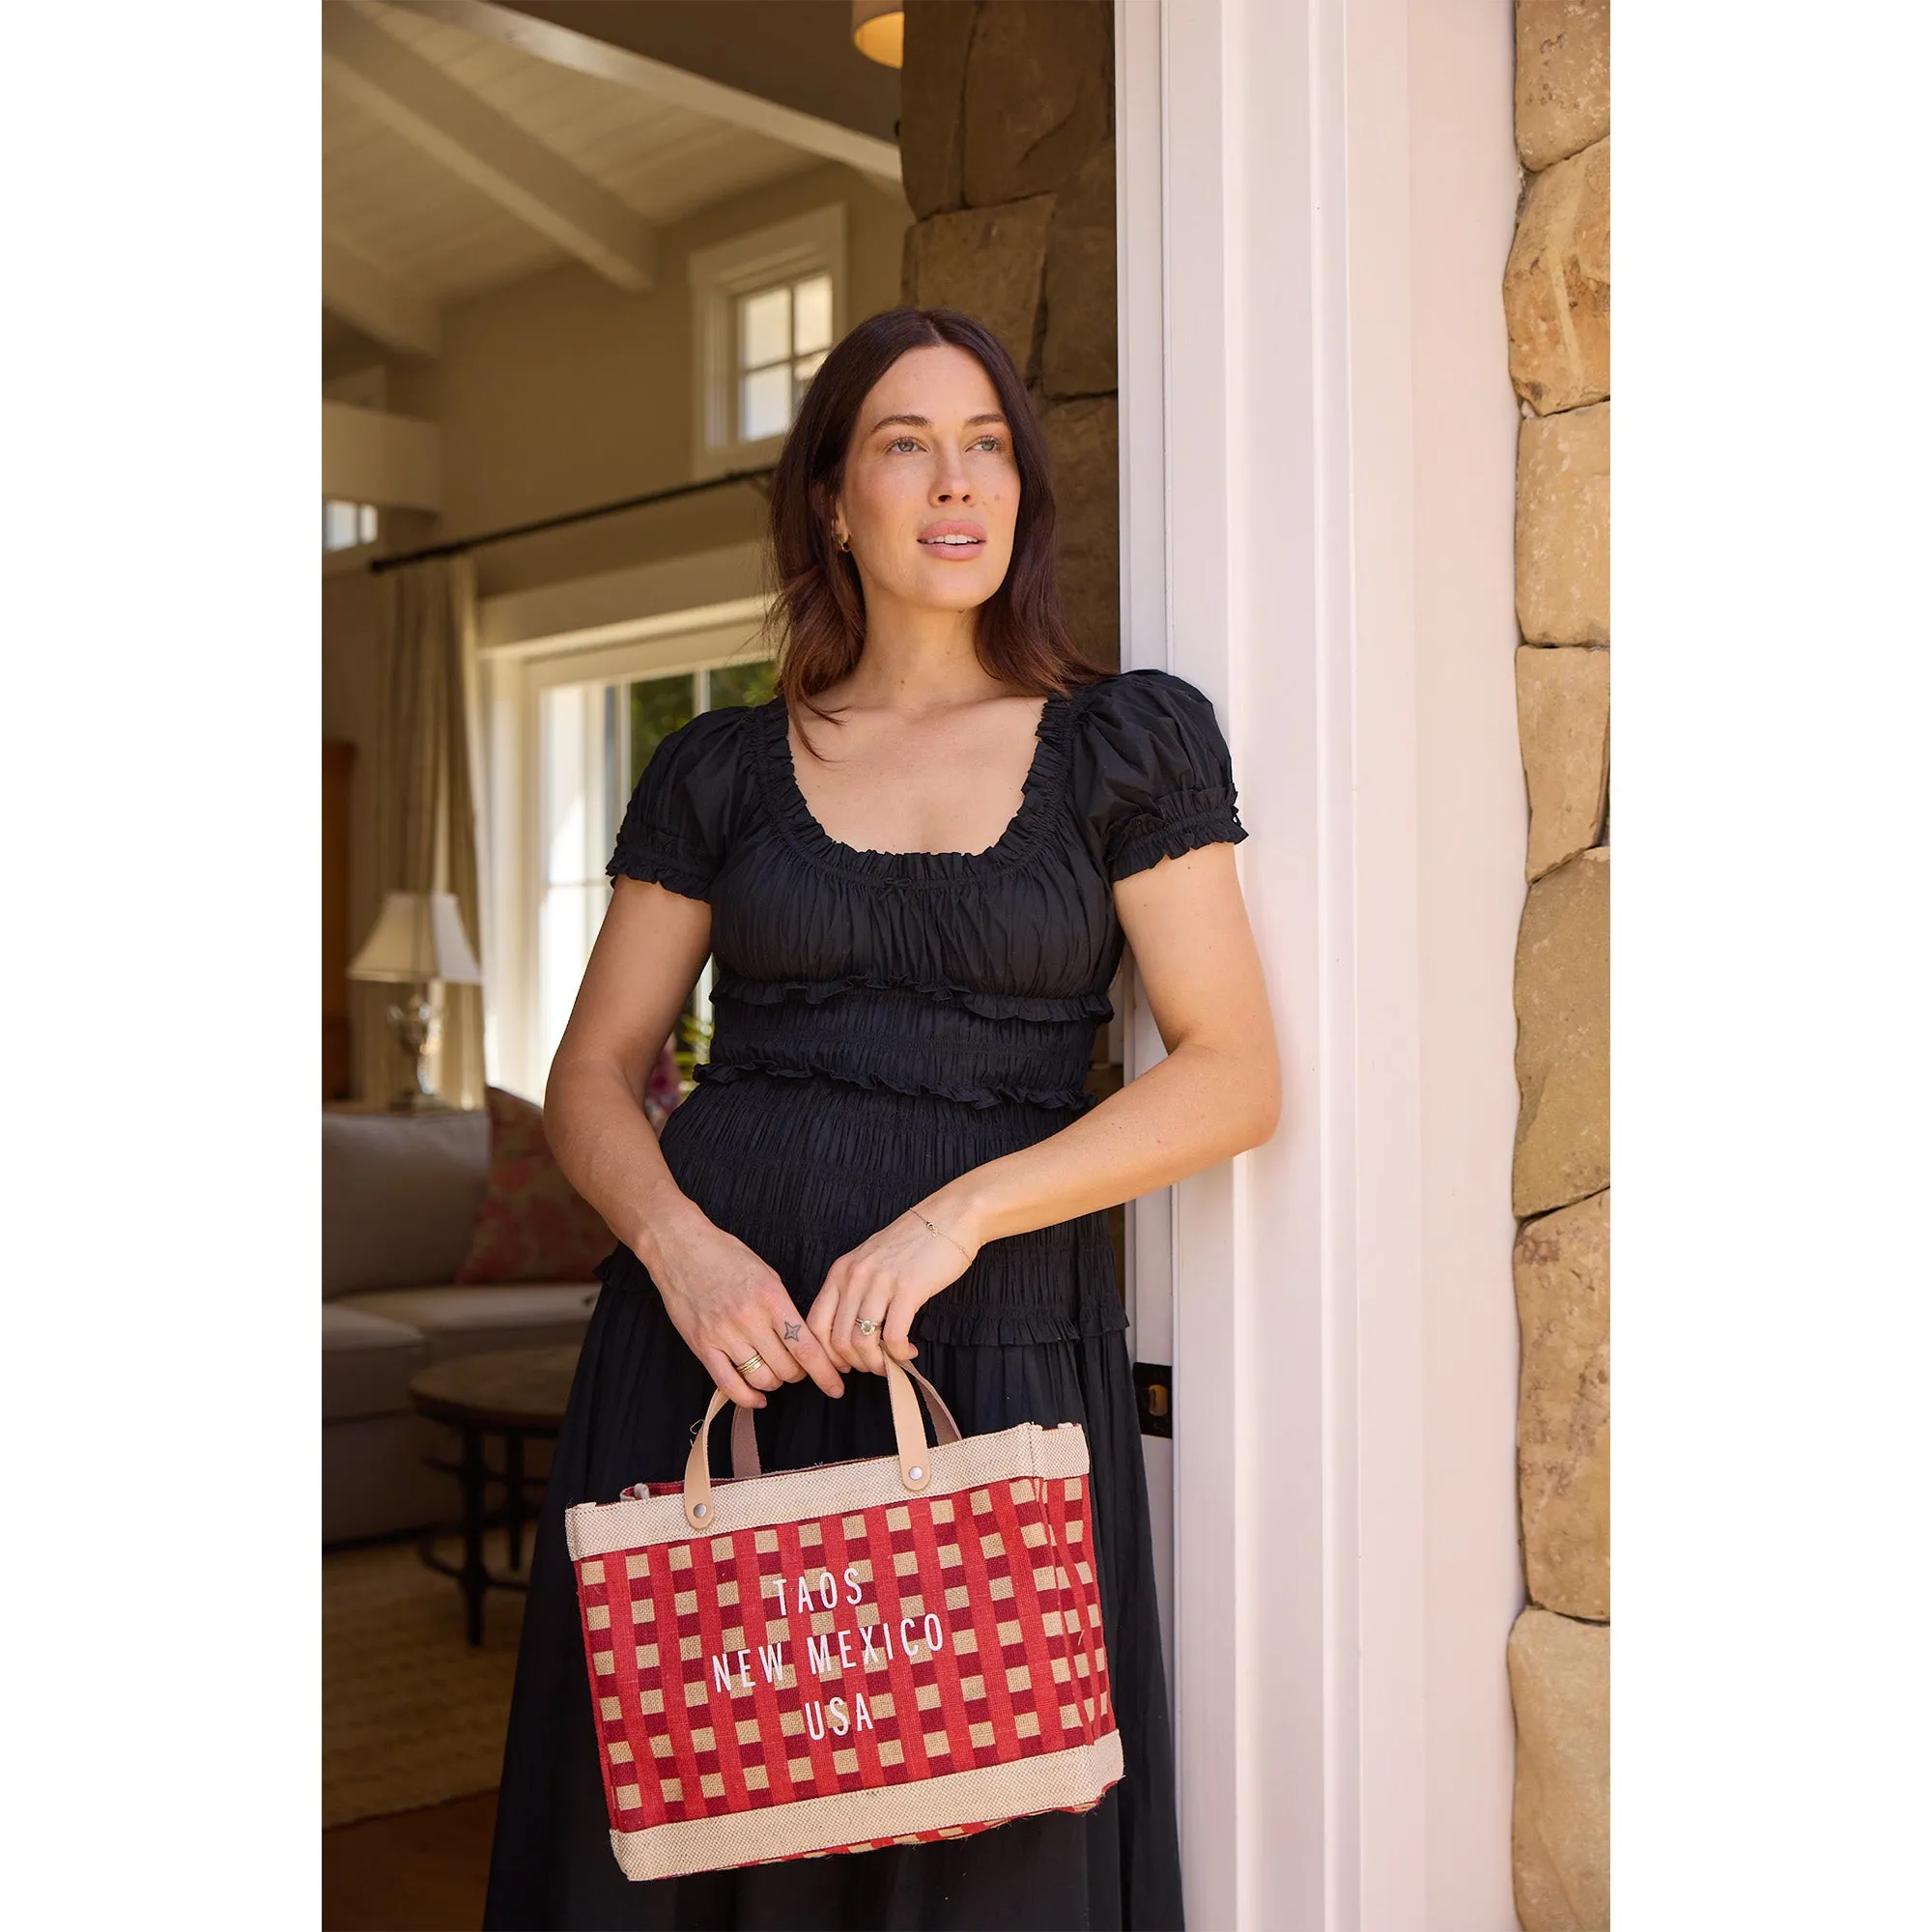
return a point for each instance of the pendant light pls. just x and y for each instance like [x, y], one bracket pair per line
[879, 30]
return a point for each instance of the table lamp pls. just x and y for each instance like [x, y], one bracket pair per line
[418, 938]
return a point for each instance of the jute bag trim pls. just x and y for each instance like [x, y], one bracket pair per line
[1053, 1781]
[837, 1489]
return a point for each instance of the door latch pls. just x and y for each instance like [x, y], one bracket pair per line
[1153, 1397]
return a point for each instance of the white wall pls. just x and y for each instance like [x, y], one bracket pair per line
[1330, 427]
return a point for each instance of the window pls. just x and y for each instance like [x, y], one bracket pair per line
[766, 308]
[346, 525]
[593, 743]
[782, 336]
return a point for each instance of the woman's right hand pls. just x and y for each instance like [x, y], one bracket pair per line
[722, 1298]
[730, 1306]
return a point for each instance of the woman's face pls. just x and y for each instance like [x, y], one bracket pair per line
[931, 490]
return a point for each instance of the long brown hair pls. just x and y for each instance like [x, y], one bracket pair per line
[820, 612]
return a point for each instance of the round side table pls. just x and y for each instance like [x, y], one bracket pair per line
[517, 1394]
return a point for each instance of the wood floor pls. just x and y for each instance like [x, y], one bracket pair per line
[413, 1871]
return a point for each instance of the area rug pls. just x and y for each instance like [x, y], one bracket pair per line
[411, 1714]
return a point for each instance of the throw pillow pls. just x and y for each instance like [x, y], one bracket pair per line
[533, 1224]
[665, 1087]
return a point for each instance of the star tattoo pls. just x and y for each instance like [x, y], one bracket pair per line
[792, 1332]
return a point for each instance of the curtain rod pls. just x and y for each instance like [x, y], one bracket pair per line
[462, 546]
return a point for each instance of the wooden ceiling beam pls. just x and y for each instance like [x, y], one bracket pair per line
[470, 138]
[562, 46]
[370, 298]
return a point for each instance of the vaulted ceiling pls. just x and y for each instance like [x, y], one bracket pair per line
[467, 144]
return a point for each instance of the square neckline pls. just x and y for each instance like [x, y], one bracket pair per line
[1045, 772]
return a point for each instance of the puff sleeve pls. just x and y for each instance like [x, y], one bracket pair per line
[678, 822]
[1154, 772]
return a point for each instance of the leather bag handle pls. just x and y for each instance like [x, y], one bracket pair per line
[908, 1428]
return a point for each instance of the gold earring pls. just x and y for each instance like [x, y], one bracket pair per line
[844, 542]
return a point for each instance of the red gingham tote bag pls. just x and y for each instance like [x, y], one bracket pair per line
[841, 1658]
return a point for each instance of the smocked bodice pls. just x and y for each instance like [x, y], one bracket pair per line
[972, 976]
[969, 983]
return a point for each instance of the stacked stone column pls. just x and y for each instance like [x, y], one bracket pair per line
[1007, 149]
[1007, 145]
[1556, 295]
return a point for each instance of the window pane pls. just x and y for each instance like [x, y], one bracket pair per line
[338, 525]
[765, 407]
[743, 683]
[764, 329]
[345, 524]
[812, 315]
[800, 379]
[659, 705]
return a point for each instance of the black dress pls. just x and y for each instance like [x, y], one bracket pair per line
[884, 1021]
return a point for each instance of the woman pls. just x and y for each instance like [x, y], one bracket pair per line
[915, 868]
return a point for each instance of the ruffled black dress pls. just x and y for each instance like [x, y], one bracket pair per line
[884, 1021]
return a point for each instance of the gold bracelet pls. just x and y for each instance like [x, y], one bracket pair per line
[943, 1236]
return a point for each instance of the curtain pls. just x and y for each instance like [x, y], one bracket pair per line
[426, 810]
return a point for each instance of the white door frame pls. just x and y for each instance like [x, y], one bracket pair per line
[1317, 442]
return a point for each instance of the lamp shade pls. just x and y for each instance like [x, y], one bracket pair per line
[879, 30]
[419, 936]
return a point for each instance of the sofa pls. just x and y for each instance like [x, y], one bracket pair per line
[400, 1199]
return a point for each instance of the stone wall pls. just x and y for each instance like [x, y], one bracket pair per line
[1007, 150]
[1556, 297]
[1007, 145]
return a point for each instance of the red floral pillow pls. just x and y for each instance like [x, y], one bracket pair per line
[533, 1224]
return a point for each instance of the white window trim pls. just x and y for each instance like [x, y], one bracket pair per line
[806, 245]
[514, 675]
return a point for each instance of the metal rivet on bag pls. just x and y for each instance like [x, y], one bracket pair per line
[918, 1475]
[701, 1509]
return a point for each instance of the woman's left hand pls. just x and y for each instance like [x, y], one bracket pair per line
[886, 1279]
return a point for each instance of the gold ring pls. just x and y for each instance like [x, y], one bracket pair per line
[749, 1363]
[866, 1328]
